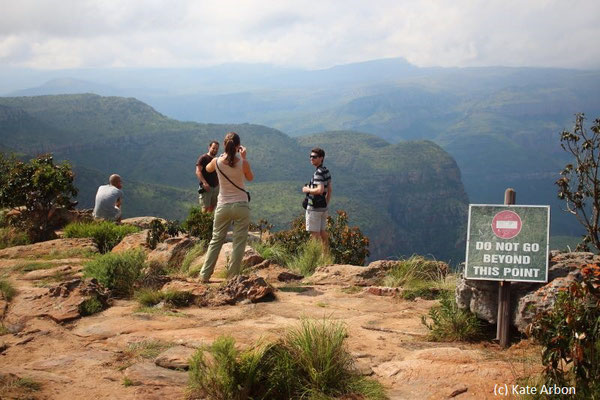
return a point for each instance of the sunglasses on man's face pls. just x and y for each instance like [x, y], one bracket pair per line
[314, 156]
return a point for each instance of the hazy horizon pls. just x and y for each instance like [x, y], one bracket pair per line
[46, 35]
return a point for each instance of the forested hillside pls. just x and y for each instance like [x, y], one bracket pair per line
[408, 197]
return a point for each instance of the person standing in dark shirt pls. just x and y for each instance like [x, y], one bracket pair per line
[319, 194]
[209, 182]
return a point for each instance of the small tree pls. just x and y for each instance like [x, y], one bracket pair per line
[579, 185]
[37, 188]
[347, 244]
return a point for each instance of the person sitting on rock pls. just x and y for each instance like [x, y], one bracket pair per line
[108, 200]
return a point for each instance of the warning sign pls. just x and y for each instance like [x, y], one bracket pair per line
[508, 243]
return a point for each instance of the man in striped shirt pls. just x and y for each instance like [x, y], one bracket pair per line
[319, 194]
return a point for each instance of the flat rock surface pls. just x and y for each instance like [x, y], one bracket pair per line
[177, 357]
[57, 246]
[92, 357]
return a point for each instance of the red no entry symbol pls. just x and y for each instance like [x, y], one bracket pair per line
[506, 224]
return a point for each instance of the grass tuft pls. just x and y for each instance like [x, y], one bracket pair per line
[10, 237]
[449, 323]
[90, 306]
[275, 252]
[311, 256]
[7, 290]
[310, 362]
[198, 250]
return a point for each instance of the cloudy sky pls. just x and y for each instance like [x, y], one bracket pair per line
[309, 34]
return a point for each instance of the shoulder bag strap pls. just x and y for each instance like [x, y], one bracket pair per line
[226, 177]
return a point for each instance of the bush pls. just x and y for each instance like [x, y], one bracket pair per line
[91, 306]
[159, 232]
[199, 224]
[311, 361]
[118, 272]
[310, 256]
[10, 237]
[570, 336]
[7, 290]
[38, 188]
[449, 323]
[347, 244]
[292, 239]
[106, 234]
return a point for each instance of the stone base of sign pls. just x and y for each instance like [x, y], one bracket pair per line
[527, 299]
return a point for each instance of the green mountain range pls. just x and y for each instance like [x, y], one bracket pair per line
[407, 197]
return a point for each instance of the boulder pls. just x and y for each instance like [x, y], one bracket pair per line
[172, 251]
[63, 271]
[50, 247]
[142, 222]
[148, 373]
[527, 299]
[250, 258]
[133, 241]
[352, 275]
[196, 289]
[177, 357]
[237, 289]
[61, 303]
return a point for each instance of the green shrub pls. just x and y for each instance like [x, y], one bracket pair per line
[159, 232]
[10, 237]
[118, 272]
[199, 224]
[292, 239]
[347, 244]
[449, 323]
[310, 361]
[106, 234]
[91, 306]
[38, 187]
[310, 257]
[7, 290]
[570, 336]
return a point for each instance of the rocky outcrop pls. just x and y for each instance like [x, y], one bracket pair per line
[133, 241]
[61, 303]
[527, 299]
[351, 275]
[172, 251]
[238, 289]
[177, 357]
[142, 222]
[50, 247]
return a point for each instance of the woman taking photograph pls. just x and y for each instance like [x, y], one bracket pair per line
[232, 206]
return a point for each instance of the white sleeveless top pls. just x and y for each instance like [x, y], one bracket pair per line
[227, 192]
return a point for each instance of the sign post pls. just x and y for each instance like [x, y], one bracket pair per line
[507, 243]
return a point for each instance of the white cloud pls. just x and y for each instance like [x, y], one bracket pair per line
[314, 34]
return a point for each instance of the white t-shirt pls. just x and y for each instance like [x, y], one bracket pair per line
[106, 198]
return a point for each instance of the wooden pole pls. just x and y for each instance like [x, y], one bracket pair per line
[503, 327]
